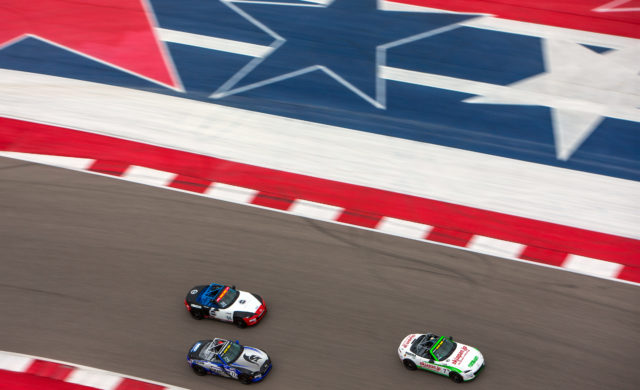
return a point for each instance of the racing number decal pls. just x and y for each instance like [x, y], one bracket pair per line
[231, 372]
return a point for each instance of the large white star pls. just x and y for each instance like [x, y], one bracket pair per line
[581, 87]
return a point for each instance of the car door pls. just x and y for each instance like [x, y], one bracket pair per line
[428, 363]
[221, 314]
[215, 366]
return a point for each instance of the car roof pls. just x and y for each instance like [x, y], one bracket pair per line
[207, 296]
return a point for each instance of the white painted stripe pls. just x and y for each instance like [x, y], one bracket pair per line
[98, 379]
[495, 247]
[592, 266]
[16, 363]
[58, 161]
[403, 228]
[213, 43]
[230, 193]
[315, 210]
[452, 175]
[148, 176]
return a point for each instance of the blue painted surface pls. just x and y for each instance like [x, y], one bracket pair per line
[344, 38]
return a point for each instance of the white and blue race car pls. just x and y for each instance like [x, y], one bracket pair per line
[441, 355]
[229, 359]
[225, 303]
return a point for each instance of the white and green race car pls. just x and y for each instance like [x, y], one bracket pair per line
[440, 355]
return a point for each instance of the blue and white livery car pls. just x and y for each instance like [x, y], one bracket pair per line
[229, 359]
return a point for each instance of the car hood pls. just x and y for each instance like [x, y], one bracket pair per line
[246, 302]
[464, 358]
[252, 359]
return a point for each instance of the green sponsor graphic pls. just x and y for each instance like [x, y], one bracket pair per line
[475, 359]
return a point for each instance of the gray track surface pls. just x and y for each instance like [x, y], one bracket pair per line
[94, 271]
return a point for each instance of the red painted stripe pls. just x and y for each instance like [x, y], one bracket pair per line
[371, 203]
[115, 168]
[131, 384]
[10, 380]
[631, 274]
[449, 236]
[544, 255]
[359, 218]
[49, 369]
[574, 14]
[274, 201]
[189, 183]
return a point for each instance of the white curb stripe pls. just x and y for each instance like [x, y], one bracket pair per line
[148, 176]
[59, 161]
[315, 210]
[403, 228]
[230, 193]
[495, 247]
[15, 363]
[97, 379]
[587, 265]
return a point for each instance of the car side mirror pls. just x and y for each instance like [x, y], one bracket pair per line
[450, 338]
[237, 341]
[233, 287]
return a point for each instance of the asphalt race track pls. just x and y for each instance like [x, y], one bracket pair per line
[94, 271]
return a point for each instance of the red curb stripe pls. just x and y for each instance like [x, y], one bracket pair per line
[10, 380]
[273, 201]
[49, 369]
[449, 236]
[130, 384]
[114, 168]
[544, 255]
[359, 218]
[192, 184]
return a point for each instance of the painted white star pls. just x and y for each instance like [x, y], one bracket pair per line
[581, 87]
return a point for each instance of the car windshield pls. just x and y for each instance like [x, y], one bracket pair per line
[226, 297]
[443, 348]
[230, 352]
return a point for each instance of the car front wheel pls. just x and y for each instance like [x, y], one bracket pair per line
[244, 379]
[409, 365]
[457, 378]
[200, 371]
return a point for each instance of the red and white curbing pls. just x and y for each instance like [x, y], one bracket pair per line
[73, 374]
[373, 217]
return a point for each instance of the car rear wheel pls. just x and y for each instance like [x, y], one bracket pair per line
[200, 371]
[196, 314]
[240, 323]
[457, 378]
[409, 365]
[244, 379]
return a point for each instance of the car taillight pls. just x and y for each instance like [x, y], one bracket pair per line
[187, 305]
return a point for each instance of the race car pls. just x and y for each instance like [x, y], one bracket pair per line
[441, 355]
[225, 303]
[228, 359]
